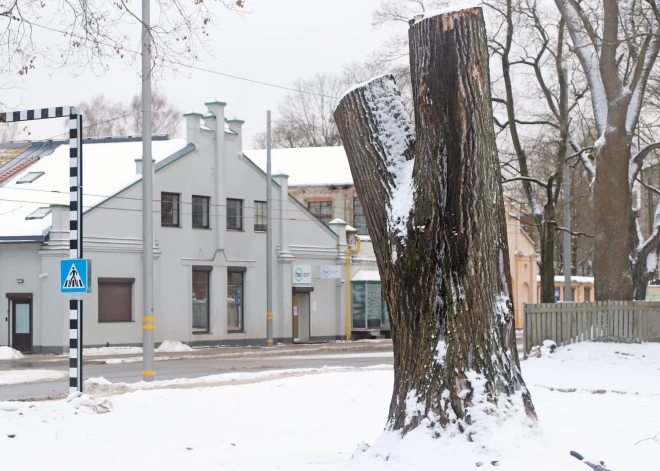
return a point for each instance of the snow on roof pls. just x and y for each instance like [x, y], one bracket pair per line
[107, 169]
[574, 279]
[366, 275]
[308, 165]
[338, 221]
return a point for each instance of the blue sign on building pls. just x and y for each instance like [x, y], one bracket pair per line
[74, 276]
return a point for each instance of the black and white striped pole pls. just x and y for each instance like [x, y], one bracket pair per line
[76, 277]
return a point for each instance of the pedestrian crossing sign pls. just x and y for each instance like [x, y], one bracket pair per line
[75, 276]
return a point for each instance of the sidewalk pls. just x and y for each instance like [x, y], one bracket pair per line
[249, 351]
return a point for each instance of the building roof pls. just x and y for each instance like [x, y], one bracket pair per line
[574, 279]
[308, 165]
[109, 167]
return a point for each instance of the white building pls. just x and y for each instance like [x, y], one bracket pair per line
[209, 247]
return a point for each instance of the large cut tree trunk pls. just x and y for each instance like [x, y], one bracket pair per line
[435, 212]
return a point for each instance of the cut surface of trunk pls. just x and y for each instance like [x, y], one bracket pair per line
[435, 211]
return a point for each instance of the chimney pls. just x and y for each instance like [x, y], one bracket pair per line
[193, 122]
[236, 125]
[215, 114]
[283, 180]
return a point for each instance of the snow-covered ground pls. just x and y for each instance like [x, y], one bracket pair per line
[166, 346]
[30, 376]
[318, 421]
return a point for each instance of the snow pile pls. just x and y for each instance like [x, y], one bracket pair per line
[8, 353]
[89, 404]
[106, 351]
[174, 346]
[547, 348]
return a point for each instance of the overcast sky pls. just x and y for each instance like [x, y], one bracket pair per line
[281, 40]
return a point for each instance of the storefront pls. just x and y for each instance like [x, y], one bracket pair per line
[369, 315]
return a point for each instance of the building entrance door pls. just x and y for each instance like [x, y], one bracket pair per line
[301, 321]
[22, 326]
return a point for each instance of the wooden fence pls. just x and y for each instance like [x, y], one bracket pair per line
[566, 323]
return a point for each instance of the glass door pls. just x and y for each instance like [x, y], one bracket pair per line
[22, 326]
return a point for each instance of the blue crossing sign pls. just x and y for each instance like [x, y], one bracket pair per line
[75, 276]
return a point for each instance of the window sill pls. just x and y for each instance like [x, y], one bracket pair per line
[202, 227]
[116, 322]
[235, 230]
[206, 332]
[171, 225]
[236, 332]
[260, 232]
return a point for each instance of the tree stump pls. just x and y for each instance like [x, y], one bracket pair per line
[435, 212]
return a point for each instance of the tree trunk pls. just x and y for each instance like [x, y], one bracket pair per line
[435, 212]
[547, 242]
[612, 205]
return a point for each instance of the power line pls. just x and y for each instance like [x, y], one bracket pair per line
[194, 67]
[89, 126]
[139, 199]
[155, 211]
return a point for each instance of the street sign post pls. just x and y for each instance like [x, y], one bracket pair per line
[75, 222]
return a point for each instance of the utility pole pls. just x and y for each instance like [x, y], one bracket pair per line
[148, 323]
[269, 241]
[568, 255]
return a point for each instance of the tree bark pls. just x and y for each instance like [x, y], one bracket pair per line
[547, 242]
[612, 204]
[435, 212]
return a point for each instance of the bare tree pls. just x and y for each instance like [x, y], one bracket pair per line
[306, 118]
[91, 34]
[617, 49]
[165, 117]
[538, 113]
[434, 206]
[104, 117]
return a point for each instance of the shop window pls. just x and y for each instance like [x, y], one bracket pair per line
[201, 278]
[235, 300]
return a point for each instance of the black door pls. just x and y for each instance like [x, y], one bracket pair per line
[22, 326]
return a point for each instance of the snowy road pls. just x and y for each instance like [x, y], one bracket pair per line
[129, 369]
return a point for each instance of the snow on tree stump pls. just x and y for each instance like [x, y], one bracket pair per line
[435, 212]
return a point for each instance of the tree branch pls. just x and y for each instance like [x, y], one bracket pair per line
[525, 179]
[574, 233]
[637, 162]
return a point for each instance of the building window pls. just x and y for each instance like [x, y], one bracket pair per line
[235, 304]
[587, 295]
[169, 209]
[235, 214]
[200, 211]
[321, 209]
[201, 277]
[116, 299]
[359, 221]
[260, 216]
[30, 177]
